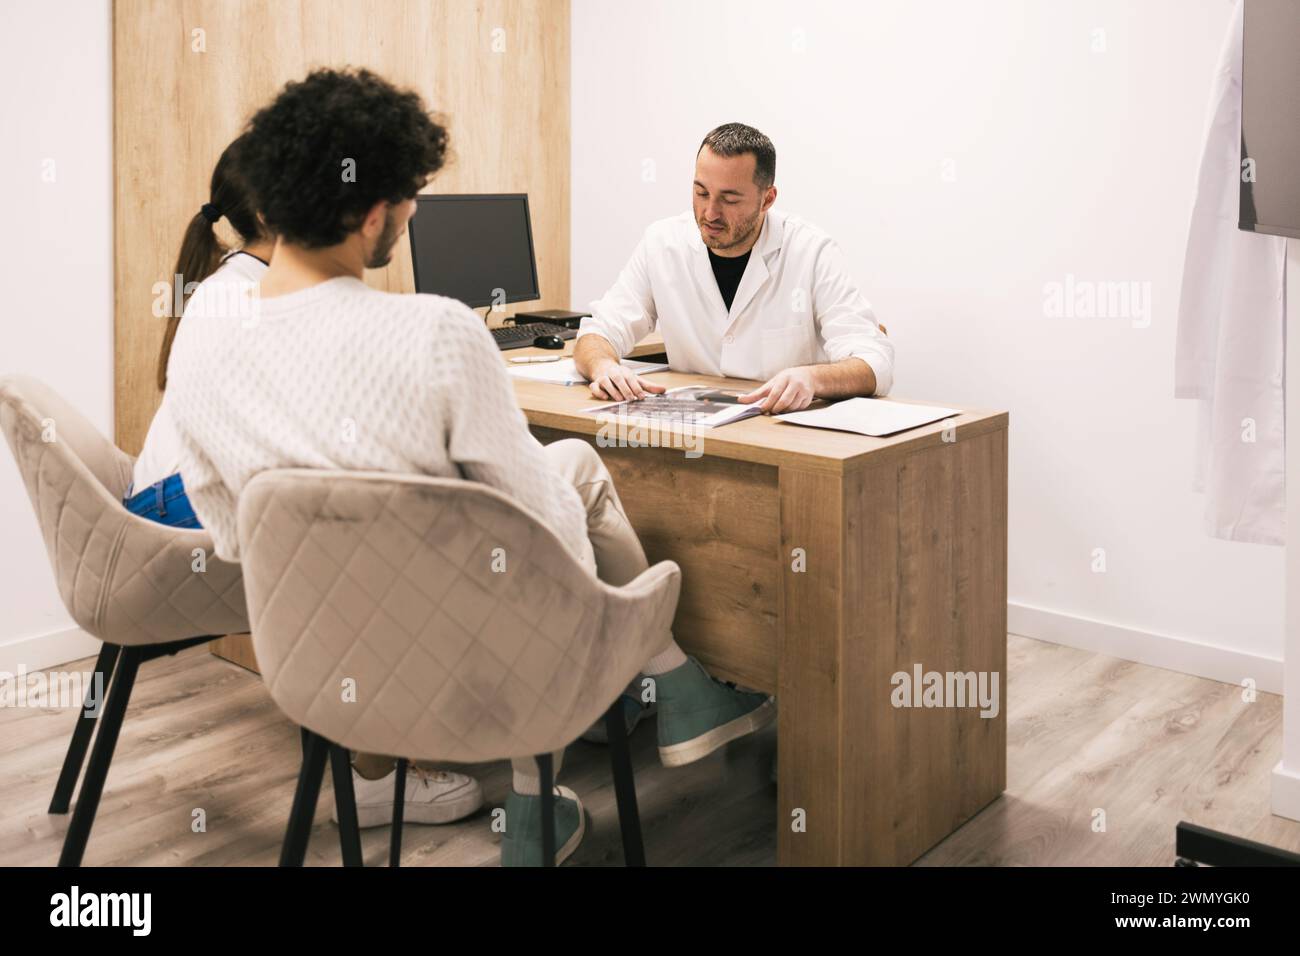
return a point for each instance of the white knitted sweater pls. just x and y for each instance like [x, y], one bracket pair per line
[343, 376]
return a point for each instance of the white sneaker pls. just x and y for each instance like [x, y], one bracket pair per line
[432, 796]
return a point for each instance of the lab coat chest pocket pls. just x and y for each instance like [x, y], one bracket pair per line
[785, 347]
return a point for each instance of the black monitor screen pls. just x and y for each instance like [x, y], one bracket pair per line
[1270, 118]
[478, 249]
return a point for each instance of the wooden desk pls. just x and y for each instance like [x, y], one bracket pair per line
[905, 544]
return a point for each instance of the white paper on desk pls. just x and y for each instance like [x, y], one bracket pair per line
[869, 416]
[565, 372]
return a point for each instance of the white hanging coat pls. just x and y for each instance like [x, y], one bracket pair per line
[1231, 327]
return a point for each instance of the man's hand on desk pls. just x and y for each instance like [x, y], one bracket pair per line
[597, 360]
[616, 382]
[786, 391]
[796, 388]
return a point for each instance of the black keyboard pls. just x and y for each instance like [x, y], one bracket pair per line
[521, 336]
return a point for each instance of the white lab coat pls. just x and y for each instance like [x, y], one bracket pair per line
[795, 305]
[1231, 327]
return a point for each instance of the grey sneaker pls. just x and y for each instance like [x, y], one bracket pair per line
[521, 844]
[698, 714]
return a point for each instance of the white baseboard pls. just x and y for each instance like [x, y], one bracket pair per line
[1146, 647]
[47, 650]
[1286, 793]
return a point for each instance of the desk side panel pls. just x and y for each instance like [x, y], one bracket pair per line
[811, 771]
[936, 601]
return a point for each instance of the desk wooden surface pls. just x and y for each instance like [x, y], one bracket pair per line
[762, 440]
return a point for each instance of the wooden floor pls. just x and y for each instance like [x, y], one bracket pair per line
[1086, 733]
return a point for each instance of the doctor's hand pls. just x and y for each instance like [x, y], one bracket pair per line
[787, 391]
[615, 381]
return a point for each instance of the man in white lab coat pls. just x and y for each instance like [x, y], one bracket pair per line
[739, 289]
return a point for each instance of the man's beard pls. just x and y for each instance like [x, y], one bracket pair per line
[742, 233]
[383, 251]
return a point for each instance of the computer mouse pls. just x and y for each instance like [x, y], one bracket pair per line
[548, 342]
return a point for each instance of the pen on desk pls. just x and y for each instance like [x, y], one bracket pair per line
[536, 358]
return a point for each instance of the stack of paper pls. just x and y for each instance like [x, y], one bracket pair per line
[869, 416]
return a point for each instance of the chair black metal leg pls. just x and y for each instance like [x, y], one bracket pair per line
[310, 776]
[620, 765]
[85, 728]
[399, 806]
[547, 783]
[110, 725]
[345, 799]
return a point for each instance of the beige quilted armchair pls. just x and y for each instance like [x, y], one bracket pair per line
[143, 588]
[435, 619]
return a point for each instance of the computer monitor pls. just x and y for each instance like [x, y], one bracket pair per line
[469, 247]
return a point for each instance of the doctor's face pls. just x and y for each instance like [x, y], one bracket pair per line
[728, 205]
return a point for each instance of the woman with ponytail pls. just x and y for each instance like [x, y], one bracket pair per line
[203, 258]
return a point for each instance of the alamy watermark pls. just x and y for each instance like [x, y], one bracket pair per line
[75, 908]
[923, 688]
[1088, 299]
[236, 299]
[667, 431]
[53, 689]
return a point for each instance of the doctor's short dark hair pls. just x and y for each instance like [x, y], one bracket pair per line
[737, 139]
[330, 146]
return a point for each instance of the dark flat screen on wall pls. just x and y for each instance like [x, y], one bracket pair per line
[1270, 118]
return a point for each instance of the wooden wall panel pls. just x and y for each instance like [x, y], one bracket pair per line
[498, 71]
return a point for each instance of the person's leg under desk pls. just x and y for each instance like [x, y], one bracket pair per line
[619, 555]
[373, 766]
[527, 778]
[619, 559]
[697, 714]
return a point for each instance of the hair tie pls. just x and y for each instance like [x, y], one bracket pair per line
[210, 212]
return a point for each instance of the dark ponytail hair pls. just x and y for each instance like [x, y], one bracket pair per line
[201, 250]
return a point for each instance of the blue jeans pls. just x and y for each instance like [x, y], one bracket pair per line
[165, 502]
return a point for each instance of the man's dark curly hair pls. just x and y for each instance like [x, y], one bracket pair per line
[331, 146]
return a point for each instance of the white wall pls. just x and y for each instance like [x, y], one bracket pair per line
[56, 257]
[1064, 160]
